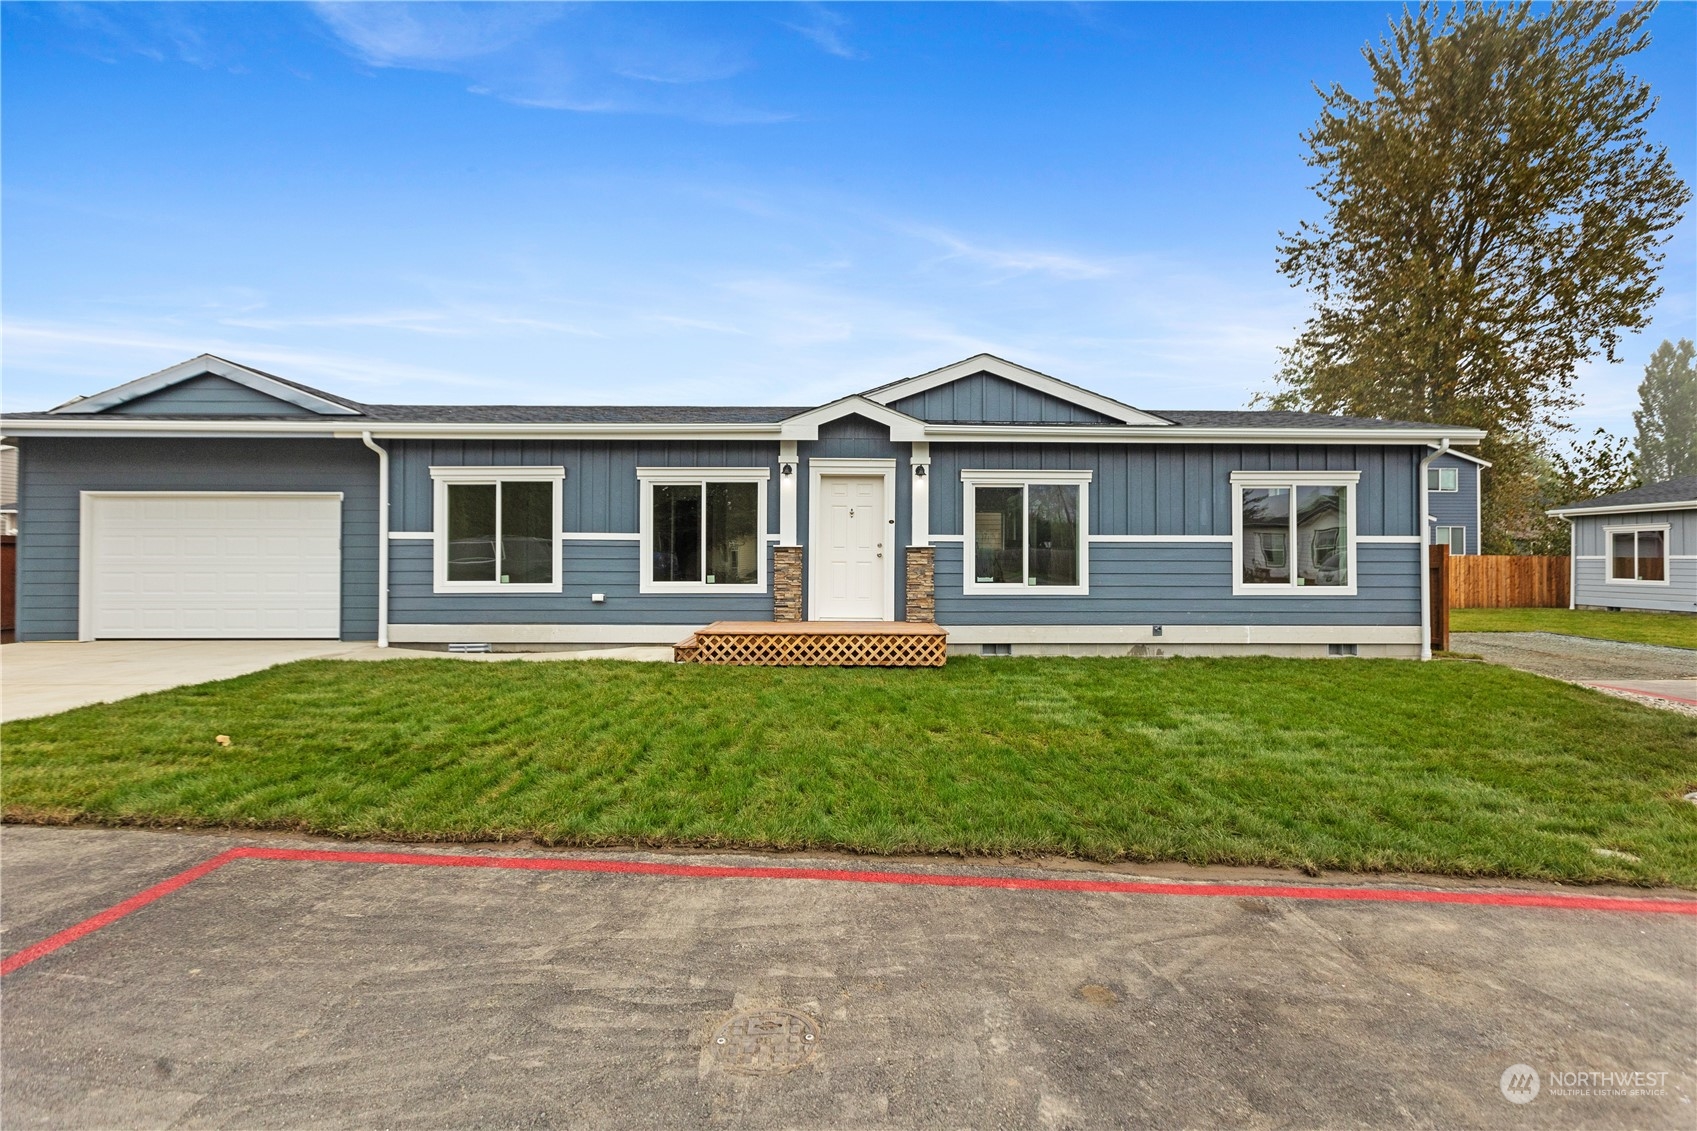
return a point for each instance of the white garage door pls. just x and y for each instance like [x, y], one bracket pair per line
[199, 565]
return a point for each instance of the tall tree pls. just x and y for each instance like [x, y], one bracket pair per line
[1667, 414]
[1494, 214]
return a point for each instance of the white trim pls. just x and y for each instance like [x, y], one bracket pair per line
[598, 536]
[382, 539]
[204, 365]
[442, 476]
[1440, 489]
[541, 633]
[1293, 479]
[1160, 538]
[1182, 434]
[647, 477]
[412, 535]
[85, 543]
[1591, 558]
[919, 512]
[1019, 375]
[1410, 539]
[935, 538]
[1666, 531]
[805, 425]
[971, 480]
[1468, 458]
[1636, 508]
[787, 492]
[1182, 634]
[821, 466]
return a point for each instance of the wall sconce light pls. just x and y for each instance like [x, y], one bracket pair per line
[788, 469]
[919, 471]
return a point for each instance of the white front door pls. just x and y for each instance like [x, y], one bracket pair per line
[851, 560]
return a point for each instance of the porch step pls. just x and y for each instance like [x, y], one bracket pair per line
[872, 644]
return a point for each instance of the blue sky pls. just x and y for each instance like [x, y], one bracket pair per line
[709, 203]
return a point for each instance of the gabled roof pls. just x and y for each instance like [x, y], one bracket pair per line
[805, 425]
[1671, 494]
[259, 381]
[1019, 374]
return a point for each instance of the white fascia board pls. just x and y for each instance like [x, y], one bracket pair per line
[1176, 434]
[1635, 508]
[1019, 375]
[1468, 458]
[197, 367]
[805, 425]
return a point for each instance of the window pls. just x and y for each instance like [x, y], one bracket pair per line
[1294, 532]
[1638, 554]
[1443, 479]
[1455, 537]
[1027, 531]
[703, 529]
[497, 529]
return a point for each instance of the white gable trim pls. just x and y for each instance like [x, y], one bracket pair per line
[1468, 458]
[805, 425]
[1019, 375]
[200, 366]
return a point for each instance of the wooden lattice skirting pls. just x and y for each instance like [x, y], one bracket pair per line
[816, 644]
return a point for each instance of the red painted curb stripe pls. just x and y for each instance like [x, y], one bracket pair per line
[1646, 694]
[839, 875]
[112, 914]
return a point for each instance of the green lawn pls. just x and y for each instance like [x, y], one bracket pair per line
[1357, 765]
[1672, 629]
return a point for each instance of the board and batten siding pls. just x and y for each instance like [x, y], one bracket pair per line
[54, 472]
[1461, 506]
[207, 395]
[600, 495]
[985, 398]
[1591, 584]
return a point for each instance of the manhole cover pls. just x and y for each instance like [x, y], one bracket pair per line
[765, 1041]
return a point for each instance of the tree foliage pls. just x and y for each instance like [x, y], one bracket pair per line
[1667, 414]
[1493, 216]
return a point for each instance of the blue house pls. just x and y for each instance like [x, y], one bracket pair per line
[1452, 498]
[1635, 549]
[1022, 513]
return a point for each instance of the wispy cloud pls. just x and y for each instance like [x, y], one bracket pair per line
[825, 28]
[1007, 262]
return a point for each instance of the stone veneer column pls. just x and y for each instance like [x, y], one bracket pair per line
[922, 584]
[786, 583]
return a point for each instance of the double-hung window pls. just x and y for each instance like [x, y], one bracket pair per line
[1294, 532]
[703, 529]
[497, 529]
[1027, 531]
[1638, 554]
[1444, 480]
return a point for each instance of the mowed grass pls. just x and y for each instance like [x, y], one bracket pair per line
[1675, 630]
[1365, 765]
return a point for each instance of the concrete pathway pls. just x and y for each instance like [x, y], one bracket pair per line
[48, 677]
[291, 993]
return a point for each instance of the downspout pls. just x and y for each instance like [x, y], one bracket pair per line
[382, 538]
[1573, 561]
[1426, 552]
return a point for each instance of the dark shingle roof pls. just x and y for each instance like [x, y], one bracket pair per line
[1649, 496]
[1248, 418]
[578, 414]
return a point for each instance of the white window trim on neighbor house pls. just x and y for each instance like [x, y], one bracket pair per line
[1450, 541]
[647, 477]
[1294, 479]
[1452, 474]
[441, 477]
[970, 480]
[1636, 529]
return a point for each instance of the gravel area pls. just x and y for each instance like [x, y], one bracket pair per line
[1577, 657]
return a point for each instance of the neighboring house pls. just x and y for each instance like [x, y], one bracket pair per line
[1452, 495]
[214, 500]
[1635, 549]
[8, 489]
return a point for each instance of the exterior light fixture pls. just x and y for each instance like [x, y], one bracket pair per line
[919, 471]
[789, 469]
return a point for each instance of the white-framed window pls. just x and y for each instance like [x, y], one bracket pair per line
[1026, 532]
[703, 529]
[1455, 537]
[1293, 532]
[1638, 555]
[497, 529]
[1443, 479]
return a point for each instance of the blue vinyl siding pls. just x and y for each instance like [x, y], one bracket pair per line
[985, 398]
[1591, 565]
[1189, 584]
[1183, 489]
[54, 471]
[1460, 507]
[208, 395]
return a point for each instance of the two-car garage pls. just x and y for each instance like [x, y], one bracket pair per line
[210, 565]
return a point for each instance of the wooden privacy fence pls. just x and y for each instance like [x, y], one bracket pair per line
[1503, 581]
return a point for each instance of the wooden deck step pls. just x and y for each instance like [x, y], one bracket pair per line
[878, 644]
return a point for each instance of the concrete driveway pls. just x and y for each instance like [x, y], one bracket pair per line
[46, 677]
[276, 993]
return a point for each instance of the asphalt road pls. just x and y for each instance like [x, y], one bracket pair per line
[285, 994]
